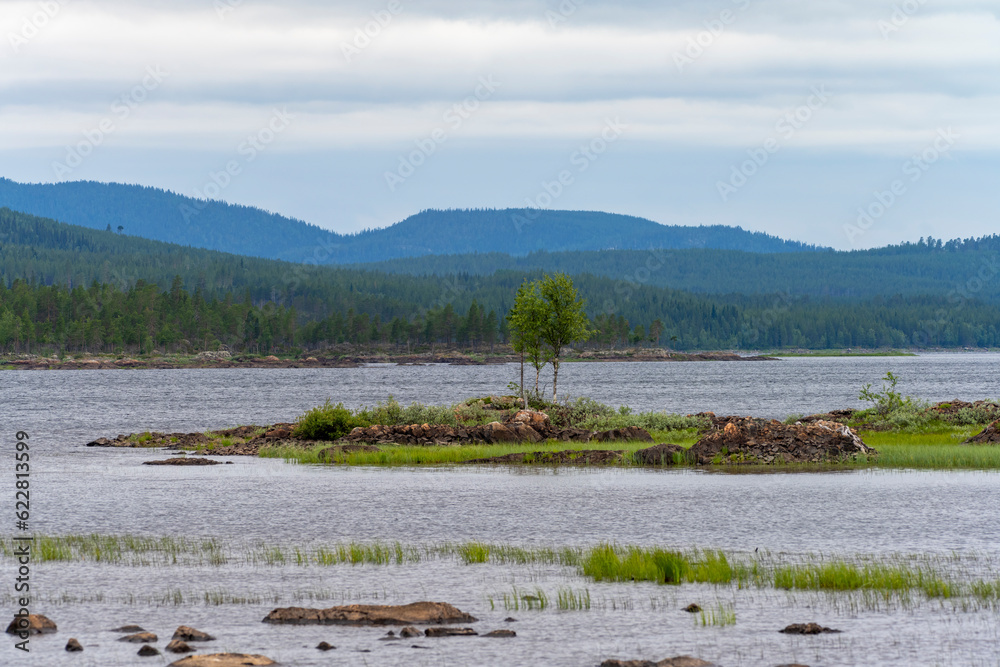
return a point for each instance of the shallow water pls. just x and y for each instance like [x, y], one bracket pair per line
[78, 490]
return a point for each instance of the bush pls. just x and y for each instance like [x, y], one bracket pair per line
[327, 422]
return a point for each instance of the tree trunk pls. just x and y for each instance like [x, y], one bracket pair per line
[524, 399]
[555, 377]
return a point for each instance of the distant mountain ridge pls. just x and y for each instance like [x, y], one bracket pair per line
[161, 215]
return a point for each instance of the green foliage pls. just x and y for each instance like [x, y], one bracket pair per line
[327, 422]
[886, 400]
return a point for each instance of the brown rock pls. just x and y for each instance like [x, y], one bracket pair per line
[806, 629]
[749, 440]
[495, 432]
[692, 608]
[129, 629]
[660, 455]
[988, 436]
[178, 646]
[183, 461]
[148, 651]
[501, 634]
[33, 624]
[189, 634]
[539, 421]
[323, 646]
[568, 457]
[679, 661]
[409, 631]
[73, 646]
[417, 613]
[223, 660]
[450, 632]
[140, 638]
[629, 433]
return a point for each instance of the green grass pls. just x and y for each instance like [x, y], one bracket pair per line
[721, 616]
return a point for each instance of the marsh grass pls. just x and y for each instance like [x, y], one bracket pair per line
[721, 615]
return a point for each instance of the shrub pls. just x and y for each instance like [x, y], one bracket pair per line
[327, 422]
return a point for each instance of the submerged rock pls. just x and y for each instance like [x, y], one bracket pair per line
[450, 632]
[129, 629]
[183, 461]
[806, 629]
[188, 634]
[417, 613]
[692, 608]
[679, 661]
[223, 660]
[323, 646]
[179, 646]
[33, 624]
[749, 440]
[73, 645]
[502, 634]
[409, 631]
[140, 638]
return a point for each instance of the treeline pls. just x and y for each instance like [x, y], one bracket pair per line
[102, 318]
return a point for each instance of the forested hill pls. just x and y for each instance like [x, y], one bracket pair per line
[103, 290]
[166, 216]
[961, 269]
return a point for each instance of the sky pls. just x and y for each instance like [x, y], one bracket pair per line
[850, 124]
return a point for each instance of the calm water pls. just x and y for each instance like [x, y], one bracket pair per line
[80, 490]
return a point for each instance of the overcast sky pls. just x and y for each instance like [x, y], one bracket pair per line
[781, 116]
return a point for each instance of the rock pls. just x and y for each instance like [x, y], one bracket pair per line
[323, 646]
[450, 632]
[223, 660]
[179, 646]
[495, 432]
[806, 629]
[417, 613]
[679, 661]
[129, 629]
[279, 433]
[749, 440]
[571, 435]
[510, 619]
[148, 651]
[988, 436]
[501, 634]
[100, 442]
[183, 461]
[73, 646]
[140, 638]
[271, 358]
[213, 356]
[33, 624]
[660, 455]
[389, 637]
[189, 634]
[409, 631]
[629, 433]
[567, 457]
[692, 608]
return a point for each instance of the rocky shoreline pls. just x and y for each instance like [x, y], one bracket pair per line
[224, 359]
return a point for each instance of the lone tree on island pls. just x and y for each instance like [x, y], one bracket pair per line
[547, 316]
[566, 321]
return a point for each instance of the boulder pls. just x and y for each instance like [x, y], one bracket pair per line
[806, 629]
[495, 432]
[33, 624]
[183, 461]
[988, 436]
[660, 455]
[501, 634]
[538, 421]
[692, 608]
[409, 631]
[148, 651]
[140, 638]
[417, 613]
[129, 629]
[749, 440]
[189, 634]
[178, 646]
[679, 661]
[629, 433]
[450, 632]
[323, 646]
[223, 660]
[73, 645]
